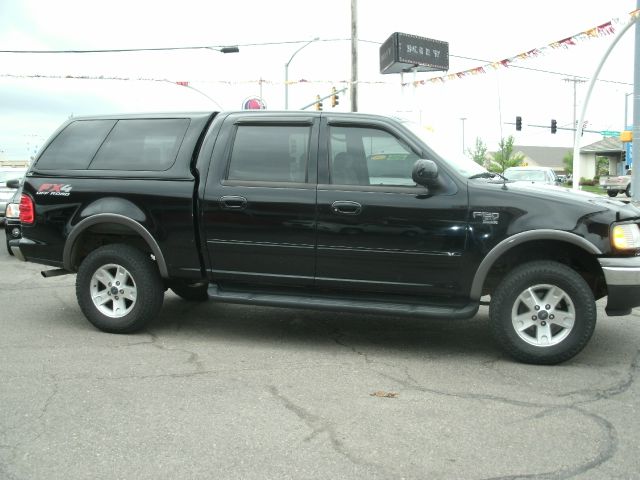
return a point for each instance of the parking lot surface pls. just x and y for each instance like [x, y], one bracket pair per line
[213, 391]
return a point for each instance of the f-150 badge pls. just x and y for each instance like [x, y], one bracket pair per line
[488, 218]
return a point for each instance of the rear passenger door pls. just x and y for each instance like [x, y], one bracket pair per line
[259, 205]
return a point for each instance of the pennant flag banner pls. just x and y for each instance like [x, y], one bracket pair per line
[603, 30]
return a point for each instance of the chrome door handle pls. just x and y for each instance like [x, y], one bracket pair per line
[233, 202]
[346, 208]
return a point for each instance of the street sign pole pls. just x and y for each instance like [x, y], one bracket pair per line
[635, 171]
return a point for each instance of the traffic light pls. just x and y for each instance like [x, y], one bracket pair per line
[518, 123]
[554, 126]
[318, 103]
[334, 97]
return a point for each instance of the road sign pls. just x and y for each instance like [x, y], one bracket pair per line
[610, 133]
[402, 52]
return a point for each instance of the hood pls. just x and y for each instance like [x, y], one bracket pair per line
[566, 196]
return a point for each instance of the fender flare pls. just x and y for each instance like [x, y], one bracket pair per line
[517, 239]
[120, 220]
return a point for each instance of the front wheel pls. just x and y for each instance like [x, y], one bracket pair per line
[612, 193]
[119, 288]
[627, 190]
[542, 313]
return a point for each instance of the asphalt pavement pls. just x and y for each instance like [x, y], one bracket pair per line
[213, 391]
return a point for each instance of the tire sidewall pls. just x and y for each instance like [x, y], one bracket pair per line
[144, 274]
[536, 273]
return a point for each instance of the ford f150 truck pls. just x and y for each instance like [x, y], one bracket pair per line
[346, 212]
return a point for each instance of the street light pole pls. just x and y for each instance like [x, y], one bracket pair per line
[286, 72]
[463, 119]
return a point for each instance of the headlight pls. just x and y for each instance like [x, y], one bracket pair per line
[626, 237]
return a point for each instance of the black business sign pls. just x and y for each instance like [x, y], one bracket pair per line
[403, 53]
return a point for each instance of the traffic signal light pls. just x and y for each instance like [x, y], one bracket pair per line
[318, 103]
[518, 123]
[554, 126]
[334, 97]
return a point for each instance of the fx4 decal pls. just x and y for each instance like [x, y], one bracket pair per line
[58, 189]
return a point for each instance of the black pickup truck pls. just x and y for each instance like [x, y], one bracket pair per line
[345, 212]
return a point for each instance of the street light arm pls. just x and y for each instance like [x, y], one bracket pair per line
[303, 46]
[286, 72]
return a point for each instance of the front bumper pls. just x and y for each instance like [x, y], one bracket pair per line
[623, 284]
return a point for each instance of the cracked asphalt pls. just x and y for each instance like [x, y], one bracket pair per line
[213, 391]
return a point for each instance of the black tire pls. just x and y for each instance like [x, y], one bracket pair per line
[561, 331]
[140, 293]
[612, 193]
[627, 190]
[196, 292]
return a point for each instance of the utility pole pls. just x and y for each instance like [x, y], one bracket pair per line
[354, 55]
[575, 82]
[635, 171]
[463, 119]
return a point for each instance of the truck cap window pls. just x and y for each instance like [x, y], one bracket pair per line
[141, 145]
[75, 146]
[270, 153]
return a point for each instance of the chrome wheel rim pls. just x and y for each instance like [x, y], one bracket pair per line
[543, 315]
[113, 290]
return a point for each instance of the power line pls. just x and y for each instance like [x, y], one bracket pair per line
[289, 42]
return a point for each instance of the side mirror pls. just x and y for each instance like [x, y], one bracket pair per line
[425, 172]
[13, 183]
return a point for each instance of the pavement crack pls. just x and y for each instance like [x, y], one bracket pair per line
[319, 426]
[605, 454]
[192, 359]
[595, 394]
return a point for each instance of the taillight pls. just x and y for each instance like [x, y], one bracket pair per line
[27, 211]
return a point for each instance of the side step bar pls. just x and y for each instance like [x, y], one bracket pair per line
[352, 305]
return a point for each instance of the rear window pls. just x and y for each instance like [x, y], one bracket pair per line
[141, 145]
[76, 145]
[130, 145]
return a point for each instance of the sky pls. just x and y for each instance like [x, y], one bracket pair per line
[269, 33]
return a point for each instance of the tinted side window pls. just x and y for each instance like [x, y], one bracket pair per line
[146, 144]
[76, 145]
[271, 153]
[368, 156]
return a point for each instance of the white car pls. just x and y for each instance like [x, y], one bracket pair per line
[532, 174]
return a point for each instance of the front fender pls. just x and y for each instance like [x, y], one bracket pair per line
[508, 243]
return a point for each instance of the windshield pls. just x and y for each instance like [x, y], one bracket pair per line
[449, 153]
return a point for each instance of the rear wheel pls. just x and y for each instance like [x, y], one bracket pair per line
[542, 313]
[119, 288]
[627, 191]
[612, 193]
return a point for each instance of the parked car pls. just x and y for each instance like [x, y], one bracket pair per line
[532, 174]
[12, 227]
[8, 173]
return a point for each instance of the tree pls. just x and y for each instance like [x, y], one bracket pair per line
[602, 166]
[479, 152]
[568, 162]
[505, 157]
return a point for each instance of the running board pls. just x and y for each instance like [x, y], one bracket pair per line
[352, 305]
